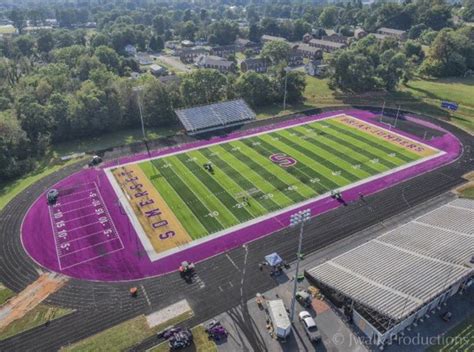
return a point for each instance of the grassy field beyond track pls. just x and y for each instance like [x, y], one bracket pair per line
[264, 173]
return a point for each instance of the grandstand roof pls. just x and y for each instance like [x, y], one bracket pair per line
[398, 272]
[206, 118]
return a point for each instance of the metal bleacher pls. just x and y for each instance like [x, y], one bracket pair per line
[216, 116]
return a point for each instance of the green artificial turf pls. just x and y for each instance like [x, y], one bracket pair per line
[329, 155]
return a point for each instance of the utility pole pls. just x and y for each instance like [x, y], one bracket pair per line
[396, 118]
[286, 82]
[138, 90]
[298, 218]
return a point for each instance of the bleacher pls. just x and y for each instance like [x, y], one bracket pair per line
[212, 117]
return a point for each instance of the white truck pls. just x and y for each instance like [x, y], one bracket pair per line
[279, 318]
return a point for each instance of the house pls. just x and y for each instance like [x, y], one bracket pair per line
[336, 38]
[171, 44]
[255, 64]
[308, 51]
[295, 58]
[359, 33]
[270, 38]
[215, 62]
[307, 37]
[35, 29]
[223, 51]
[242, 44]
[170, 79]
[130, 50]
[8, 31]
[157, 70]
[315, 68]
[144, 59]
[326, 45]
[391, 32]
[189, 55]
[187, 43]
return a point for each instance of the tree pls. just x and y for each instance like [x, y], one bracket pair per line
[34, 121]
[276, 51]
[352, 72]
[108, 57]
[85, 65]
[467, 12]
[156, 43]
[15, 158]
[255, 89]
[223, 32]
[17, 16]
[187, 30]
[329, 16]
[255, 32]
[58, 110]
[25, 44]
[45, 41]
[301, 27]
[157, 105]
[159, 24]
[451, 54]
[203, 86]
[69, 55]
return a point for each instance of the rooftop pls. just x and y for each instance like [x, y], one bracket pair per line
[401, 270]
[327, 43]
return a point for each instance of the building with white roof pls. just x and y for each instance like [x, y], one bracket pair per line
[392, 281]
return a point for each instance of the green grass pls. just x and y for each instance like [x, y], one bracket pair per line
[10, 189]
[423, 96]
[328, 154]
[5, 294]
[110, 140]
[459, 339]
[467, 192]
[201, 342]
[35, 317]
[123, 336]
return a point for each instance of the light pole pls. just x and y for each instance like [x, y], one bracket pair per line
[137, 91]
[286, 82]
[296, 219]
[396, 118]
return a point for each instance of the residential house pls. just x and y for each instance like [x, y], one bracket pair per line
[242, 44]
[8, 31]
[315, 68]
[170, 79]
[307, 37]
[189, 55]
[359, 33]
[336, 38]
[187, 43]
[308, 51]
[270, 38]
[144, 58]
[295, 58]
[157, 70]
[391, 32]
[255, 64]
[130, 50]
[223, 51]
[215, 62]
[326, 45]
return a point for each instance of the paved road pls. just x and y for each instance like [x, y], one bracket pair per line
[226, 283]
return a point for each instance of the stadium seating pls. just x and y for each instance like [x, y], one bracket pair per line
[215, 116]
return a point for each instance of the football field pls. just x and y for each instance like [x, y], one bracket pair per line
[178, 198]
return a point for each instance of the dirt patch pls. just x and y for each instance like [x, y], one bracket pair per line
[30, 297]
[319, 306]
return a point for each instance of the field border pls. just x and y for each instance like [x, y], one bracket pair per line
[153, 256]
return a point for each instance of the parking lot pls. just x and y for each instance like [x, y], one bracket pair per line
[247, 324]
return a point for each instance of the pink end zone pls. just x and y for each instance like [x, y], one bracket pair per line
[128, 261]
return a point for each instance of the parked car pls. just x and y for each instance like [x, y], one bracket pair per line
[304, 298]
[52, 196]
[96, 160]
[309, 326]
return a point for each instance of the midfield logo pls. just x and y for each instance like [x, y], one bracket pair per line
[282, 159]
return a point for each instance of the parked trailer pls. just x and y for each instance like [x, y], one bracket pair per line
[279, 317]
